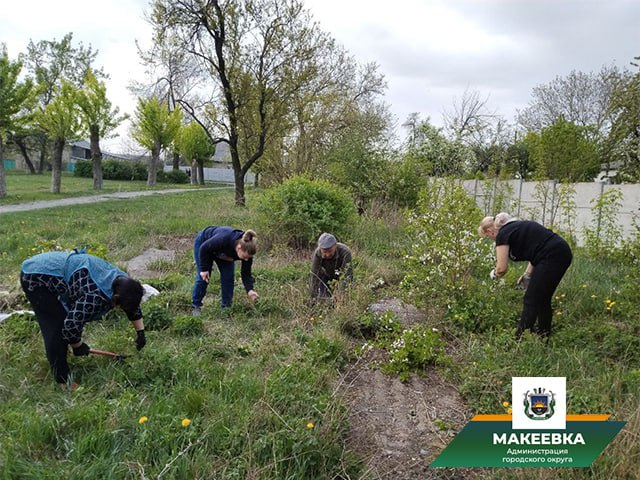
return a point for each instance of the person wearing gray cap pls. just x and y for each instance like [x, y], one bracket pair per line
[331, 264]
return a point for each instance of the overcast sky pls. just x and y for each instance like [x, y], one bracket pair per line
[430, 51]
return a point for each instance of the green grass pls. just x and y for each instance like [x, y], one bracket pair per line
[251, 378]
[23, 187]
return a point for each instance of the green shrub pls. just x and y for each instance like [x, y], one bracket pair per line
[117, 170]
[172, 176]
[83, 168]
[297, 211]
[113, 170]
[405, 179]
[188, 325]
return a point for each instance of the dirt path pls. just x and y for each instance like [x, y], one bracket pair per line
[65, 202]
[399, 428]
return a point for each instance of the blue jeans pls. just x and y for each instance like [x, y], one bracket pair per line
[227, 276]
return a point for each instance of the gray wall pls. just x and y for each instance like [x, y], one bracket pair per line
[217, 174]
[545, 202]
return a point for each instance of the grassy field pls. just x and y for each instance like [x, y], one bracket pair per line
[255, 382]
[248, 392]
[24, 187]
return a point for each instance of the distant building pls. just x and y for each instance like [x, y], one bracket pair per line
[81, 150]
[74, 151]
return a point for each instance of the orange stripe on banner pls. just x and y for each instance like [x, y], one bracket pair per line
[587, 418]
[570, 418]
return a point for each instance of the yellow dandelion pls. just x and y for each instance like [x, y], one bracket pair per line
[142, 420]
[509, 410]
[186, 422]
[505, 404]
[594, 296]
[310, 425]
[558, 314]
[584, 285]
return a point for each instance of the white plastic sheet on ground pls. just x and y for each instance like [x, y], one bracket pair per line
[149, 291]
[4, 316]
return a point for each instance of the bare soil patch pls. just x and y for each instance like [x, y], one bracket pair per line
[399, 428]
[169, 248]
[138, 267]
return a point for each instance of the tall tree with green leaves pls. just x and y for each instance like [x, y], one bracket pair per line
[15, 96]
[155, 128]
[60, 120]
[194, 145]
[437, 155]
[250, 51]
[564, 151]
[99, 119]
[50, 62]
[624, 138]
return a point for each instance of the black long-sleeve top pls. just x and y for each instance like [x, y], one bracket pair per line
[220, 242]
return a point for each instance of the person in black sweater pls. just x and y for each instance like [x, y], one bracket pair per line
[549, 257]
[223, 245]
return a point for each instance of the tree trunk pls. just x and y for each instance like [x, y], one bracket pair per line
[238, 174]
[3, 178]
[25, 154]
[176, 161]
[56, 173]
[194, 172]
[43, 154]
[96, 158]
[43, 142]
[239, 182]
[201, 172]
[153, 165]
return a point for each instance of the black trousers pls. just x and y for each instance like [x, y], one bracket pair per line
[547, 273]
[51, 315]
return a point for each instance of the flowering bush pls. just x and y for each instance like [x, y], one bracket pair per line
[446, 247]
[413, 350]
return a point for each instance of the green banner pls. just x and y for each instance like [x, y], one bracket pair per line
[495, 444]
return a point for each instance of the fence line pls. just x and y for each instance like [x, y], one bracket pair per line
[569, 207]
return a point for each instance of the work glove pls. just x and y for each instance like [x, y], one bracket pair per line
[141, 340]
[81, 350]
[492, 274]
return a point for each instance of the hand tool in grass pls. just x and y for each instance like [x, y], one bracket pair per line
[115, 356]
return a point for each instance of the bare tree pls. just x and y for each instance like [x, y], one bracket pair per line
[467, 120]
[581, 98]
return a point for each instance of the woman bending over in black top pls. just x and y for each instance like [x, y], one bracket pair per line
[549, 257]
